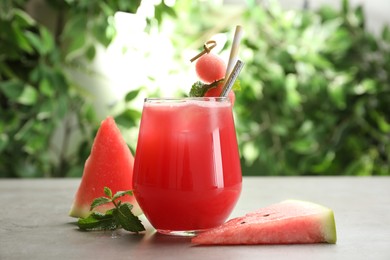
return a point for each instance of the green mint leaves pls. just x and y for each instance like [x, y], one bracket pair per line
[118, 217]
[98, 221]
[237, 85]
[199, 89]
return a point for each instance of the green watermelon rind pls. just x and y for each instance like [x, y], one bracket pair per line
[330, 233]
[328, 221]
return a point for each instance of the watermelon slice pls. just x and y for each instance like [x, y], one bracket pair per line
[110, 164]
[287, 222]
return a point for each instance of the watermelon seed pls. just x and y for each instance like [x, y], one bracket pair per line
[243, 222]
[265, 215]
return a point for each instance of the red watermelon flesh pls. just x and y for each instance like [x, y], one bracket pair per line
[287, 222]
[210, 67]
[110, 164]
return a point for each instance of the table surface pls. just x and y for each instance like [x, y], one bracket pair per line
[34, 222]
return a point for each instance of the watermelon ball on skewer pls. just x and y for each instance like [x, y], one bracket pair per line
[210, 68]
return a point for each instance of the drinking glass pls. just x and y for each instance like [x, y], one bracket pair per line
[187, 175]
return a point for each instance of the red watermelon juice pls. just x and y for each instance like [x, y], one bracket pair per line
[187, 174]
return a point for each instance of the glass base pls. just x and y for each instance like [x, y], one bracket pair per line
[184, 233]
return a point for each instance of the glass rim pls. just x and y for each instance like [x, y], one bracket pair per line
[184, 99]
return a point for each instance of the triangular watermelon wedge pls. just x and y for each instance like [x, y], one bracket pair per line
[287, 222]
[110, 164]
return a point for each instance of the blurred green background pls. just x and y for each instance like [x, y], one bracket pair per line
[314, 99]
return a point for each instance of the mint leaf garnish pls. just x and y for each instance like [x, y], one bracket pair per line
[108, 192]
[237, 85]
[99, 201]
[118, 217]
[127, 219]
[122, 193]
[98, 221]
[199, 89]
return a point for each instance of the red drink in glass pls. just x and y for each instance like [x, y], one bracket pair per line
[187, 174]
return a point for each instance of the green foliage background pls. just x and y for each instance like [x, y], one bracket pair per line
[314, 99]
[318, 86]
[37, 96]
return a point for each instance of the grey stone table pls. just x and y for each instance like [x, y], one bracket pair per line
[34, 223]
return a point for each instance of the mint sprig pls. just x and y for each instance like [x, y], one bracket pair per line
[120, 216]
[199, 88]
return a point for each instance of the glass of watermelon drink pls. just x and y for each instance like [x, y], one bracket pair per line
[187, 174]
